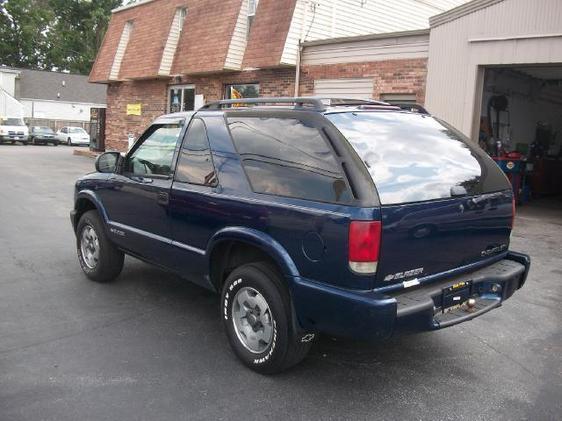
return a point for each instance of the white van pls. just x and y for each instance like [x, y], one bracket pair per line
[12, 130]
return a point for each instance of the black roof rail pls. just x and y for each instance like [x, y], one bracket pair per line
[309, 103]
[335, 102]
[312, 103]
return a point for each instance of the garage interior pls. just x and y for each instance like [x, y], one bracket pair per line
[521, 128]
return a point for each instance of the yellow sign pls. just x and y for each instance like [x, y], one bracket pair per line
[133, 109]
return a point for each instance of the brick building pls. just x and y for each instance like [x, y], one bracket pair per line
[163, 56]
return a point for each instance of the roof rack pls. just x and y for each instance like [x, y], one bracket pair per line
[311, 103]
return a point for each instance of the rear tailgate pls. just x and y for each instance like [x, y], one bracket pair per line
[444, 202]
[425, 238]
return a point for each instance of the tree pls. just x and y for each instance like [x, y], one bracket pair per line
[78, 31]
[24, 25]
[53, 34]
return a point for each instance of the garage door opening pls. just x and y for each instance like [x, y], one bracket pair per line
[521, 128]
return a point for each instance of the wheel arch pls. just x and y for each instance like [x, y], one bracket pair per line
[87, 200]
[227, 244]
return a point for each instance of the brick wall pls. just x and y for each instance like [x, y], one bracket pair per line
[389, 76]
[151, 94]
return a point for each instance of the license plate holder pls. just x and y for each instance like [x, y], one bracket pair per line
[455, 295]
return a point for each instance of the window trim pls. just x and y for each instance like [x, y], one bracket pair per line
[148, 132]
[323, 126]
[182, 87]
[183, 142]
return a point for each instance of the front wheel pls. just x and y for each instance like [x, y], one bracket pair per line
[99, 258]
[256, 312]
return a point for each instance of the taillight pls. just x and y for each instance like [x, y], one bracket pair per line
[364, 245]
[512, 212]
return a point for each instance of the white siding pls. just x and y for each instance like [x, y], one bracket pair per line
[323, 19]
[121, 47]
[172, 42]
[8, 81]
[55, 110]
[239, 40]
[403, 47]
[344, 88]
[9, 106]
[508, 32]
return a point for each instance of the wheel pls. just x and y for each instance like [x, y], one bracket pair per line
[69, 142]
[55, 144]
[256, 311]
[99, 258]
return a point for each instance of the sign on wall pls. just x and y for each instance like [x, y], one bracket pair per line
[133, 109]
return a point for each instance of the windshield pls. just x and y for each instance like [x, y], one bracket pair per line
[413, 157]
[77, 130]
[13, 122]
[42, 129]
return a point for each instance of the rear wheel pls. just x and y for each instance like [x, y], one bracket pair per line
[256, 312]
[99, 258]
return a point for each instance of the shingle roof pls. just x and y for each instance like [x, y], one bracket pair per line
[38, 84]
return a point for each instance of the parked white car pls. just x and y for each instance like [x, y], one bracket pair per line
[73, 136]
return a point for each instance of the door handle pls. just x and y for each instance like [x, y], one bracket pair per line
[163, 198]
[142, 180]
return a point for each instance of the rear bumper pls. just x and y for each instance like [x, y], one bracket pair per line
[374, 315]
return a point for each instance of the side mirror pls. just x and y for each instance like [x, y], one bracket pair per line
[107, 162]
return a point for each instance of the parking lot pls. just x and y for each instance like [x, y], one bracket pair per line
[151, 346]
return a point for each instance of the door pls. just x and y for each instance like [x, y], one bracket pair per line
[138, 198]
[193, 208]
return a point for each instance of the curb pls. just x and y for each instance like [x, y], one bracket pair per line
[87, 152]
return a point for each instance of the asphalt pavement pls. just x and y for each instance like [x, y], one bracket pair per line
[151, 347]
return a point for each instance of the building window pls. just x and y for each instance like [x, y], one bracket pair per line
[237, 91]
[252, 7]
[182, 13]
[181, 98]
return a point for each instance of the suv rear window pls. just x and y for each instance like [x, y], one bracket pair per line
[287, 157]
[413, 157]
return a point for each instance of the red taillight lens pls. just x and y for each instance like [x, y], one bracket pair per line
[512, 213]
[364, 245]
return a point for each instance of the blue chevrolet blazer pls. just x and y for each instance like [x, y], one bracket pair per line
[345, 217]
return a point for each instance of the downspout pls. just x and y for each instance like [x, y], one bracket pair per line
[298, 70]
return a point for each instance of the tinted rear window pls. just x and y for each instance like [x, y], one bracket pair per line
[413, 157]
[288, 157]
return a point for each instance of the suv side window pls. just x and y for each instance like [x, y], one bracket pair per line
[155, 154]
[195, 164]
[288, 157]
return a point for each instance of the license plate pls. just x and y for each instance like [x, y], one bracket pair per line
[455, 295]
[17, 138]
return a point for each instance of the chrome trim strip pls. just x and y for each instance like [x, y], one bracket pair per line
[189, 248]
[157, 237]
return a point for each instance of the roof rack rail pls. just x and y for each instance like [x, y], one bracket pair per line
[335, 102]
[309, 103]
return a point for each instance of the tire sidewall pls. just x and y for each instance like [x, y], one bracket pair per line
[273, 355]
[88, 220]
